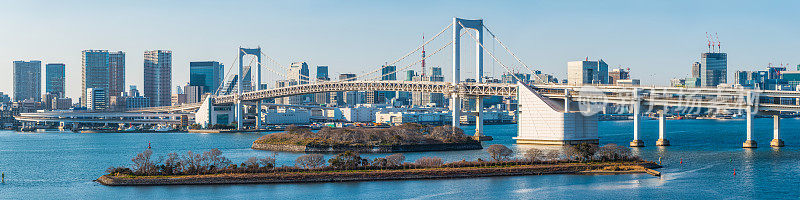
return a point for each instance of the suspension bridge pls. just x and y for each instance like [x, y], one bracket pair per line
[552, 114]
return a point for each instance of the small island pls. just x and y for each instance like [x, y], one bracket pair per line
[408, 137]
[212, 168]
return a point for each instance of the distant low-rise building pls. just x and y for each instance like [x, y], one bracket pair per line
[96, 99]
[587, 72]
[62, 103]
[286, 116]
[628, 82]
[136, 102]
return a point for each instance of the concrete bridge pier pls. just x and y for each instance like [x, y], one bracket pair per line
[776, 134]
[749, 143]
[636, 115]
[662, 123]
[479, 117]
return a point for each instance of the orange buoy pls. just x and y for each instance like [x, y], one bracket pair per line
[734, 172]
[681, 160]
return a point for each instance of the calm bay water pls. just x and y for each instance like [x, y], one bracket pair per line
[63, 165]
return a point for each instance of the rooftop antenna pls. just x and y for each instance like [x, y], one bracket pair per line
[719, 45]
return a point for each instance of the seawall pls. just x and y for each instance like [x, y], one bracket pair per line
[369, 175]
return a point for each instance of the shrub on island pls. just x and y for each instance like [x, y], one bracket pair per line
[406, 134]
[212, 161]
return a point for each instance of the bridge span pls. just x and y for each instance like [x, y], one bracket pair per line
[548, 113]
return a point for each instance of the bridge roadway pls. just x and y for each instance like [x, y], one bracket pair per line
[102, 117]
[647, 96]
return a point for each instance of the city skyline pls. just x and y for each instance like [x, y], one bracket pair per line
[659, 44]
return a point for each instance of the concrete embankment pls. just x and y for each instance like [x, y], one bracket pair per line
[368, 149]
[374, 175]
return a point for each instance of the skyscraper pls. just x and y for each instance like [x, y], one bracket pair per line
[94, 72]
[158, 77]
[696, 70]
[322, 75]
[116, 73]
[247, 79]
[713, 69]
[298, 72]
[207, 74]
[194, 93]
[350, 97]
[388, 73]
[54, 79]
[423, 98]
[28, 80]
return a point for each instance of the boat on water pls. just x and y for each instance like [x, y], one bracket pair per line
[132, 128]
[162, 128]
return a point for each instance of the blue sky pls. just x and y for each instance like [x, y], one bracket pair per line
[658, 40]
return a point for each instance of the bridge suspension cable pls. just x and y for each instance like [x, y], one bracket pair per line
[504, 66]
[418, 61]
[512, 54]
[222, 85]
[267, 67]
[405, 56]
[490, 54]
[284, 68]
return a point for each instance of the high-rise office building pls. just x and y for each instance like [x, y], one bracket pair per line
[28, 80]
[424, 99]
[94, 72]
[194, 94]
[587, 72]
[696, 69]
[207, 74]
[322, 75]
[292, 100]
[133, 91]
[388, 73]
[347, 98]
[116, 73]
[299, 72]
[513, 78]
[410, 75]
[54, 79]
[158, 77]
[247, 79]
[713, 69]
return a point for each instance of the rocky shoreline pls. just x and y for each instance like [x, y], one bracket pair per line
[377, 175]
[368, 149]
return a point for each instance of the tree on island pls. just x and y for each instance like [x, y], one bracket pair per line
[348, 160]
[610, 152]
[580, 152]
[534, 154]
[499, 152]
[429, 162]
[396, 159]
[142, 164]
[310, 161]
